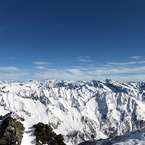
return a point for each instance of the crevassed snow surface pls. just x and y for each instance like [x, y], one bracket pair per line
[80, 111]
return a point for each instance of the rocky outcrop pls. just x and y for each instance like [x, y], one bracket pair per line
[11, 132]
[45, 135]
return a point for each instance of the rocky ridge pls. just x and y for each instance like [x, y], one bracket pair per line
[11, 131]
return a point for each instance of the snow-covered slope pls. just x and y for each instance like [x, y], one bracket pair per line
[80, 111]
[136, 137]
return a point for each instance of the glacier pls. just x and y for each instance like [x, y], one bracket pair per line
[80, 110]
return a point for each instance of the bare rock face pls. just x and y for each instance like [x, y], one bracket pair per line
[11, 132]
[45, 135]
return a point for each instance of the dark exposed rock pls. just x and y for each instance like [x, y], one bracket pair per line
[45, 135]
[11, 132]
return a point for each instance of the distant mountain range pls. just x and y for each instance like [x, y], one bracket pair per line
[81, 111]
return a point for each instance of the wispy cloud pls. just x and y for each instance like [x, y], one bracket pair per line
[53, 74]
[75, 71]
[14, 76]
[106, 65]
[62, 75]
[40, 63]
[92, 73]
[40, 67]
[88, 56]
[13, 73]
[135, 57]
[8, 68]
[120, 73]
[89, 73]
[126, 63]
[107, 71]
[85, 60]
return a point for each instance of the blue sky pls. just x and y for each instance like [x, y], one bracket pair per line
[72, 39]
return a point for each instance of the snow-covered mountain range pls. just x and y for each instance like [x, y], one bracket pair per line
[80, 111]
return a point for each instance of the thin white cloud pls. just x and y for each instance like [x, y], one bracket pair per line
[13, 76]
[91, 65]
[64, 74]
[75, 71]
[40, 67]
[107, 65]
[107, 71]
[61, 75]
[40, 63]
[83, 56]
[135, 57]
[121, 73]
[54, 74]
[90, 73]
[88, 56]
[8, 68]
[85, 60]
[126, 63]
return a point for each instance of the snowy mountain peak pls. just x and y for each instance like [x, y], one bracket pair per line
[81, 110]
